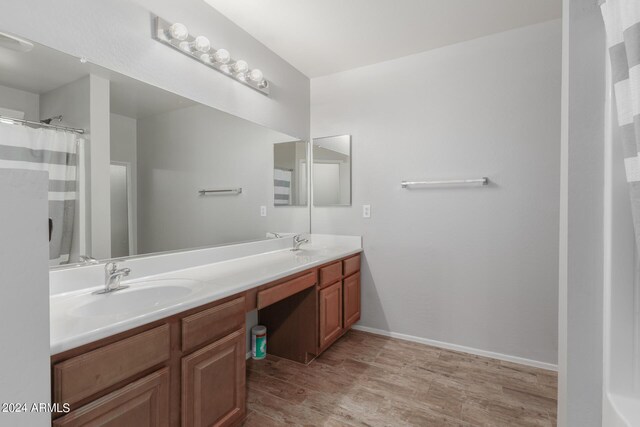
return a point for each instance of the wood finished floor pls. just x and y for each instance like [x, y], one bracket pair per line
[369, 380]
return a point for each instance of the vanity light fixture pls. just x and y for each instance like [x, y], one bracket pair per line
[199, 48]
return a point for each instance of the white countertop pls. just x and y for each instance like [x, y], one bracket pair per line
[71, 326]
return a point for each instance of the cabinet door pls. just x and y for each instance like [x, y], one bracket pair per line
[351, 300]
[142, 403]
[213, 383]
[330, 313]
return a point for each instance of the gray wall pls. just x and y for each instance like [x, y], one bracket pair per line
[123, 134]
[20, 100]
[24, 305]
[117, 35]
[195, 148]
[476, 267]
[581, 236]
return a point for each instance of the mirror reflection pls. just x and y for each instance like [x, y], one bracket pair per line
[290, 173]
[332, 171]
[145, 170]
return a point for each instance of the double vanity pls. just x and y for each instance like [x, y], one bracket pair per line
[170, 349]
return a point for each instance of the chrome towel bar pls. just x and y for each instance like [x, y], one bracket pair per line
[482, 181]
[221, 191]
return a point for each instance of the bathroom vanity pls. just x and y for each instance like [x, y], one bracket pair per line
[194, 210]
[188, 368]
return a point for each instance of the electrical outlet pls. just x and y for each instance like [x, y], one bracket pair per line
[263, 211]
[366, 211]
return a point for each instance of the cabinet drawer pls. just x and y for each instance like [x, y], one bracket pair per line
[330, 274]
[142, 403]
[212, 324]
[92, 372]
[351, 265]
[286, 289]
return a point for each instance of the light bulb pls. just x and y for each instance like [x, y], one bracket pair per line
[178, 31]
[202, 44]
[222, 56]
[205, 57]
[255, 75]
[242, 77]
[263, 84]
[225, 69]
[185, 45]
[240, 66]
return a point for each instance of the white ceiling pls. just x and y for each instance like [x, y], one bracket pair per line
[321, 37]
[40, 70]
[44, 69]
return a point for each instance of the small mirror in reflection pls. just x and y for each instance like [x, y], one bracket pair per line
[290, 173]
[332, 171]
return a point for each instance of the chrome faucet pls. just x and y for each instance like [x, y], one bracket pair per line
[112, 277]
[298, 241]
[88, 260]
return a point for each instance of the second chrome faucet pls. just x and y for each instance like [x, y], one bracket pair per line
[298, 241]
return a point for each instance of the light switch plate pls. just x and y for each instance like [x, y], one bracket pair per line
[366, 211]
[263, 211]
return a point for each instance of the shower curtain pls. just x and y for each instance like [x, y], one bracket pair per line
[53, 151]
[622, 24]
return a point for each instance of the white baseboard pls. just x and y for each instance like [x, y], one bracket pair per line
[456, 347]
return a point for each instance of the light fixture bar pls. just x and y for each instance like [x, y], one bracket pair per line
[198, 47]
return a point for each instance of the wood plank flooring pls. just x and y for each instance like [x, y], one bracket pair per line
[369, 380]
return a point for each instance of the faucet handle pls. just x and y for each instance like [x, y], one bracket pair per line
[112, 266]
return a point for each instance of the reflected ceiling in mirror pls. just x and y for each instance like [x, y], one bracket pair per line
[131, 185]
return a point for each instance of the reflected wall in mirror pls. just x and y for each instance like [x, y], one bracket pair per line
[290, 173]
[332, 171]
[130, 184]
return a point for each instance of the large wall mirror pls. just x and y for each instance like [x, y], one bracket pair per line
[152, 172]
[332, 171]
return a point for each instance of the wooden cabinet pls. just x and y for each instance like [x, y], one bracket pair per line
[339, 303]
[330, 314]
[184, 370]
[189, 369]
[213, 383]
[351, 292]
[142, 403]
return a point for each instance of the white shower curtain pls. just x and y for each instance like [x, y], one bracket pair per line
[53, 151]
[622, 24]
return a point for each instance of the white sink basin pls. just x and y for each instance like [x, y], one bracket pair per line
[140, 296]
[311, 252]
